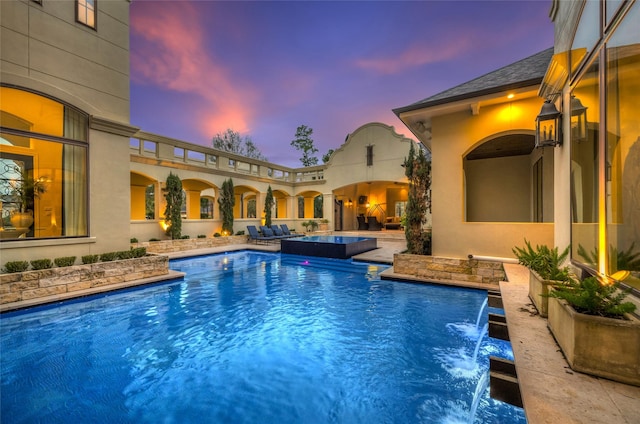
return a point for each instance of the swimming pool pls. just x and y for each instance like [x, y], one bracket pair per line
[256, 337]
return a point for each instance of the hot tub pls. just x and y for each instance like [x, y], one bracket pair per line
[328, 246]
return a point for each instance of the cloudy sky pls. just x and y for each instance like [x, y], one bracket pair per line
[264, 68]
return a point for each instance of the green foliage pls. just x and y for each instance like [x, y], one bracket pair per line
[172, 213]
[124, 254]
[154, 239]
[16, 266]
[592, 298]
[41, 264]
[227, 201]
[268, 206]
[138, 252]
[133, 240]
[327, 156]
[240, 233]
[545, 261]
[217, 235]
[304, 143]
[201, 236]
[184, 237]
[65, 261]
[310, 225]
[109, 256]
[231, 141]
[90, 259]
[418, 170]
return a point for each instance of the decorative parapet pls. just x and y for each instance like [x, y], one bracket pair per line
[170, 246]
[41, 284]
[439, 268]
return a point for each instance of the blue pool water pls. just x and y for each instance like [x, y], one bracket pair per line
[256, 338]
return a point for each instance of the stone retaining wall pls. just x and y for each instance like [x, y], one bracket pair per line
[30, 285]
[439, 268]
[169, 246]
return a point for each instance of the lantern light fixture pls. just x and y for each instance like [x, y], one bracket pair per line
[548, 126]
[578, 120]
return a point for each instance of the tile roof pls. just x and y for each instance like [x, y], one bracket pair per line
[523, 73]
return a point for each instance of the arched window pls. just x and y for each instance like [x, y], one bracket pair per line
[43, 167]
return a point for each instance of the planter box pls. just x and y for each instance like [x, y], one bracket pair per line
[604, 347]
[538, 292]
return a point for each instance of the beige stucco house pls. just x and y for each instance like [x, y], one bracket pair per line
[493, 187]
[64, 102]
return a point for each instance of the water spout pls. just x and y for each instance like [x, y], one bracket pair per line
[482, 333]
[477, 395]
[484, 305]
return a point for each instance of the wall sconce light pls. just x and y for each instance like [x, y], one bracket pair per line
[578, 120]
[548, 130]
[349, 203]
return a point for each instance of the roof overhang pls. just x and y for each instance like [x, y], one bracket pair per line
[417, 117]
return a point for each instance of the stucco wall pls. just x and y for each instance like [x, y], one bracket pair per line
[455, 135]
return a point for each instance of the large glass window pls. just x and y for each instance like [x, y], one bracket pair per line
[622, 166]
[86, 10]
[43, 167]
[584, 173]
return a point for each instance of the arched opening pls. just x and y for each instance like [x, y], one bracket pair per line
[508, 180]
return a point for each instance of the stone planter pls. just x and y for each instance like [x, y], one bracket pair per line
[604, 347]
[538, 292]
[323, 227]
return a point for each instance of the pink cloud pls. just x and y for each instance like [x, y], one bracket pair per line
[416, 55]
[174, 56]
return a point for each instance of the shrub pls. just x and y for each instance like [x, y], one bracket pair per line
[65, 261]
[124, 254]
[133, 240]
[41, 264]
[90, 259]
[109, 256]
[240, 233]
[217, 235]
[154, 239]
[544, 260]
[310, 225]
[138, 252]
[202, 236]
[16, 266]
[592, 298]
[184, 237]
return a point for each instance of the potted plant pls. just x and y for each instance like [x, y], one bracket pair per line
[324, 224]
[310, 225]
[596, 330]
[545, 271]
[25, 191]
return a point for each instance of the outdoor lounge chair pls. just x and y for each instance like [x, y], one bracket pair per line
[287, 232]
[278, 232]
[255, 236]
[373, 223]
[268, 232]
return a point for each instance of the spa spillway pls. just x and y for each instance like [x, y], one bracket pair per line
[328, 246]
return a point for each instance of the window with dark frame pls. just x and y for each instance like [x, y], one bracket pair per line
[86, 12]
[370, 155]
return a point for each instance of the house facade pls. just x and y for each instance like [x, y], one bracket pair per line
[494, 186]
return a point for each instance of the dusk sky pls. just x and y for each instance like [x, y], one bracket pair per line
[264, 68]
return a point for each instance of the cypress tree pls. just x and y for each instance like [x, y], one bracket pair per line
[172, 212]
[268, 206]
[418, 171]
[227, 201]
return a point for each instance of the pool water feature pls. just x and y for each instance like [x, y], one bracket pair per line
[254, 337]
[328, 246]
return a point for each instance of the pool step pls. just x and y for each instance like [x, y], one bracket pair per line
[341, 265]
